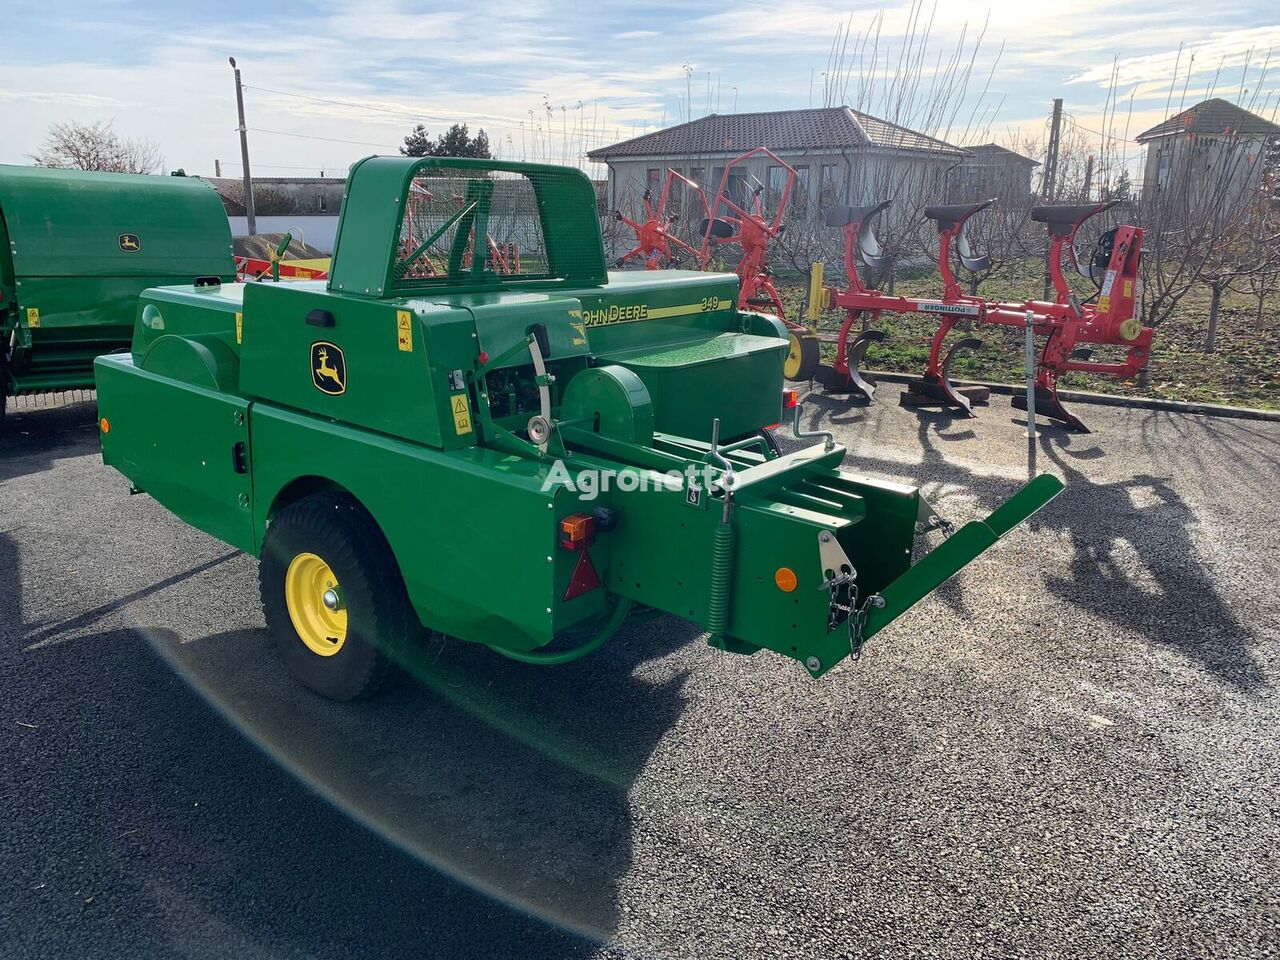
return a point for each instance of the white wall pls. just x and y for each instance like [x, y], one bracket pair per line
[318, 232]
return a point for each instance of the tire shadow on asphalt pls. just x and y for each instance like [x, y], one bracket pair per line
[510, 778]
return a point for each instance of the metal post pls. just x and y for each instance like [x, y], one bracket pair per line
[1031, 377]
[244, 154]
[217, 167]
[1048, 185]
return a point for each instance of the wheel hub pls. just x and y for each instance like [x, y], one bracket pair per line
[314, 600]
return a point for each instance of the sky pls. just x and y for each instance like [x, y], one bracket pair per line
[330, 82]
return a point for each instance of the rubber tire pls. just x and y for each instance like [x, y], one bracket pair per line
[803, 358]
[381, 623]
[771, 441]
[4, 385]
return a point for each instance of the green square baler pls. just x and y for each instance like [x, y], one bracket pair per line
[472, 427]
[77, 249]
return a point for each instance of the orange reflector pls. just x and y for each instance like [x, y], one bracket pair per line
[105, 424]
[790, 398]
[577, 531]
[785, 578]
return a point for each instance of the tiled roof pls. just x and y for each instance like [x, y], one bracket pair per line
[1004, 153]
[1211, 117]
[733, 133]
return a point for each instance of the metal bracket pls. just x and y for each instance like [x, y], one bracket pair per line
[928, 519]
[837, 569]
[544, 391]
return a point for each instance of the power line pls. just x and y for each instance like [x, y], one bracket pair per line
[304, 136]
[1097, 133]
[396, 112]
[283, 166]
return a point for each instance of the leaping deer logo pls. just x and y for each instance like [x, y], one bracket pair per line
[130, 243]
[328, 368]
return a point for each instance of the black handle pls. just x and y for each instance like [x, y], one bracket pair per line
[320, 318]
[238, 461]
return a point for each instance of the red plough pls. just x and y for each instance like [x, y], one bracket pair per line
[1108, 317]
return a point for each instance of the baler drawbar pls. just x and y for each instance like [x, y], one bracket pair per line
[525, 459]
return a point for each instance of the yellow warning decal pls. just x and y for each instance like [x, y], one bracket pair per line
[1128, 288]
[404, 337]
[239, 328]
[461, 413]
[1104, 304]
[33, 316]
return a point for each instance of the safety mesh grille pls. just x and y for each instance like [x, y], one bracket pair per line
[465, 226]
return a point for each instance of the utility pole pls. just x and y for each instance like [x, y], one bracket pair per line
[244, 154]
[1088, 178]
[1051, 155]
[1049, 183]
[217, 167]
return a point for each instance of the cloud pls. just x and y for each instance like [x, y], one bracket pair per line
[70, 98]
[1233, 48]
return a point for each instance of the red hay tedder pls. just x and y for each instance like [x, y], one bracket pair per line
[1069, 325]
[752, 229]
[654, 239]
[731, 219]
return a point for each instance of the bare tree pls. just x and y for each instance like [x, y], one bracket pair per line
[919, 87]
[96, 146]
[1199, 217]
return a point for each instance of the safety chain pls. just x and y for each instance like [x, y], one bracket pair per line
[858, 621]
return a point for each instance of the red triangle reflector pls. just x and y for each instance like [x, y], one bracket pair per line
[584, 578]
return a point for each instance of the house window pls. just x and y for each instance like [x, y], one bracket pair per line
[1163, 162]
[831, 190]
[800, 194]
[320, 203]
[717, 174]
[776, 182]
[653, 181]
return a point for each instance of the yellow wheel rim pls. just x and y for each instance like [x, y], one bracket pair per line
[314, 599]
[791, 369]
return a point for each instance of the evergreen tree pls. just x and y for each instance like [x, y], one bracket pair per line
[457, 142]
[417, 143]
[1121, 189]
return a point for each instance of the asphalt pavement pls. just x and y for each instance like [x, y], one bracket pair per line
[1069, 750]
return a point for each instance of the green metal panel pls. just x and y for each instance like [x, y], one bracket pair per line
[80, 249]
[474, 534]
[189, 311]
[402, 392]
[69, 223]
[377, 189]
[691, 382]
[178, 443]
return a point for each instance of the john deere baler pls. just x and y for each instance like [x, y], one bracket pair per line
[76, 250]
[474, 428]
